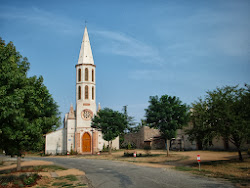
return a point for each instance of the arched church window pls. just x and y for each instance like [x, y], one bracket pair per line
[86, 92]
[93, 75]
[79, 92]
[93, 93]
[86, 74]
[79, 75]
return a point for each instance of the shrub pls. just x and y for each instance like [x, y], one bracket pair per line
[30, 179]
[127, 154]
[104, 148]
[72, 152]
[129, 146]
[131, 154]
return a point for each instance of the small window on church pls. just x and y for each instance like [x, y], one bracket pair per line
[93, 75]
[93, 93]
[79, 92]
[86, 74]
[86, 92]
[79, 75]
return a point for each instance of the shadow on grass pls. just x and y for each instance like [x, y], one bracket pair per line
[129, 155]
[42, 168]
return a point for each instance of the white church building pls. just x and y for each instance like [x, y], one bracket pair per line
[77, 134]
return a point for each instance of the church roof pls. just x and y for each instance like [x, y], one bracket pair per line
[99, 107]
[85, 55]
[71, 112]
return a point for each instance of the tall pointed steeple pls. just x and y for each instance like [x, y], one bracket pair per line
[85, 55]
[85, 84]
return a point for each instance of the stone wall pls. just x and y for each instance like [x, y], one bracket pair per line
[158, 144]
[136, 138]
[142, 135]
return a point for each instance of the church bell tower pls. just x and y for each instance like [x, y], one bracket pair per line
[85, 85]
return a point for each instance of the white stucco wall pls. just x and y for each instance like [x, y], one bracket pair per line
[70, 139]
[101, 142]
[55, 142]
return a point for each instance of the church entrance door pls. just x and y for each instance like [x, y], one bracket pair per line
[86, 142]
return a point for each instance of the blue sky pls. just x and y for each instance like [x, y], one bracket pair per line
[141, 48]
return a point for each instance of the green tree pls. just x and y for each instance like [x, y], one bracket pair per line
[27, 110]
[228, 114]
[138, 127]
[129, 125]
[201, 131]
[167, 114]
[112, 124]
[129, 119]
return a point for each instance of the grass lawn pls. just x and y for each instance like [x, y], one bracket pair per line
[31, 177]
[233, 170]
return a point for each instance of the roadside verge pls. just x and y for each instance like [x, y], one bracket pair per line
[40, 174]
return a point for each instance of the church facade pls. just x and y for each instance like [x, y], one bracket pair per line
[77, 134]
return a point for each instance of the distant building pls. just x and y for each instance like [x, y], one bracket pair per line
[147, 136]
[77, 133]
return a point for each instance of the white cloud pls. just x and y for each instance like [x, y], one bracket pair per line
[122, 44]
